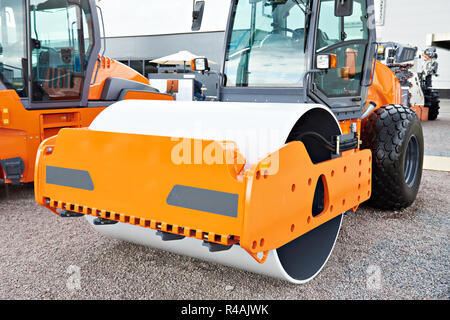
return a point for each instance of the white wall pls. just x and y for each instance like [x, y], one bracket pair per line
[158, 17]
[409, 22]
[405, 21]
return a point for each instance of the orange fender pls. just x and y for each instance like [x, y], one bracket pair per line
[386, 88]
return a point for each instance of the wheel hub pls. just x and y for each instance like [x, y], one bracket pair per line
[412, 157]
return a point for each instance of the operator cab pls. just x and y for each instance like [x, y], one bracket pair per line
[53, 67]
[274, 48]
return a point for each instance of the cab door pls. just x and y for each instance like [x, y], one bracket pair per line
[60, 44]
[352, 40]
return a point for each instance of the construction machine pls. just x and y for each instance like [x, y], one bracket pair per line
[415, 69]
[308, 127]
[52, 77]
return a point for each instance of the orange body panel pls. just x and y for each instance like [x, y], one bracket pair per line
[153, 173]
[110, 68]
[21, 130]
[422, 112]
[279, 207]
[139, 95]
[386, 88]
[274, 208]
[26, 129]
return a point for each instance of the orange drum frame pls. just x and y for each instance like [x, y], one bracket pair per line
[272, 207]
[269, 204]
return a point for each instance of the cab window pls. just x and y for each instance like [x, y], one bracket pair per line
[13, 45]
[347, 37]
[266, 46]
[59, 55]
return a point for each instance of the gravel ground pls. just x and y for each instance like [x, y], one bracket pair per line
[378, 255]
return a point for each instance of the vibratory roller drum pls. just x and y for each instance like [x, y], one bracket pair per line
[267, 126]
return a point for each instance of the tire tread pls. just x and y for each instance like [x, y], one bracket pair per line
[384, 133]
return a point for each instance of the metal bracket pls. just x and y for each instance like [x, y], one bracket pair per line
[216, 247]
[258, 259]
[345, 142]
[13, 169]
[104, 222]
[166, 236]
[69, 214]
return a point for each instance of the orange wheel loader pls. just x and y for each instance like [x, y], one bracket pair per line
[51, 77]
[308, 127]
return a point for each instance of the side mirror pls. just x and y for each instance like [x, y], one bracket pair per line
[326, 61]
[197, 15]
[200, 65]
[343, 8]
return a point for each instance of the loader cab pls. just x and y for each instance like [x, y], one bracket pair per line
[49, 51]
[273, 46]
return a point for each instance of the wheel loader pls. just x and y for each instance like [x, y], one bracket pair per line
[52, 77]
[415, 70]
[308, 127]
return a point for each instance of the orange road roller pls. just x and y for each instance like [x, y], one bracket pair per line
[51, 77]
[308, 127]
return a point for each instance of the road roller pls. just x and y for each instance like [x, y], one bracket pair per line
[307, 127]
[53, 75]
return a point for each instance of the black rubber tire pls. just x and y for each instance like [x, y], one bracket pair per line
[432, 103]
[387, 133]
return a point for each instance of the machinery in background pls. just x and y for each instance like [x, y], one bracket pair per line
[309, 126]
[415, 70]
[51, 77]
